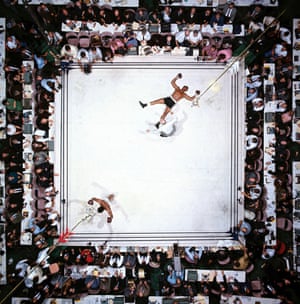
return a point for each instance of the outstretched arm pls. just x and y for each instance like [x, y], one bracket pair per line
[191, 98]
[173, 81]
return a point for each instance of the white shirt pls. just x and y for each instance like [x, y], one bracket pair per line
[180, 36]
[165, 17]
[11, 129]
[22, 267]
[279, 50]
[252, 142]
[95, 56]
[72, 53]
[206, 28]
[276, 106]
[116, 260]
[255, 192]
[257, 103]
[195, 38]
[255, 82]
[285, 35]
[143, 259]
[83, 59]
[143, 36]
[12, 44]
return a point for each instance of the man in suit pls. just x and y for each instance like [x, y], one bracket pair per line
[229, 11]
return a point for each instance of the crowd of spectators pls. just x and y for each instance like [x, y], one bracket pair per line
[95, 33]
[50, 270]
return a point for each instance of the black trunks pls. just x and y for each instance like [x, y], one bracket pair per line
[169, 102]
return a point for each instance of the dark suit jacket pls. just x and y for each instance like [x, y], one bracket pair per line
[220, 21]
[232, 15]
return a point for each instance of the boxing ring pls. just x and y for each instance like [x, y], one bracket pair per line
[179, 189]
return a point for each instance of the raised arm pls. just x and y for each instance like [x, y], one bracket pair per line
[173, 81]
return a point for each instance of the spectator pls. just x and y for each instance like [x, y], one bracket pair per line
[209, 52]
[13, 44]
[217, 19]
[143, 35]
[116, 259]
[141, 16]
[178, 16]
[78, 10]
[142, 292]
[192, 18]
[154, 17]
[94, 54]
[205, 16]
[229, 11]
[129, 16]
[89, 14]
[49, 85]
[207, 28]
[166, 15]
[117, 17]
[84, 62]
[131, 40]
[69, 52]
[182, 38]
[251, 94]
[224, 55]
[169, 43]
[118, 283]
[285, 35]
[255, 14]
[195, 39]
[54, 39]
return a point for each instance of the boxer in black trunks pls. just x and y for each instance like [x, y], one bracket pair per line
[177, 95]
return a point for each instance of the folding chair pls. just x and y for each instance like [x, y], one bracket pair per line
[106, 39]
[72, 38]
[84, 39]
